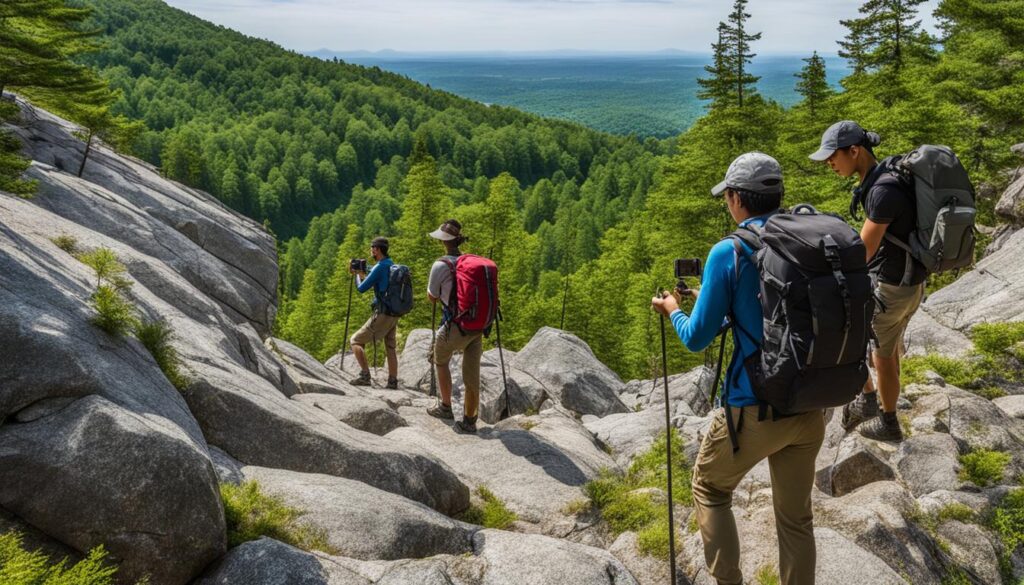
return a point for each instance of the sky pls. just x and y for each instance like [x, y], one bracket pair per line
[788, 26]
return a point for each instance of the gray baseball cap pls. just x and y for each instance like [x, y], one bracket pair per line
[839, 135]
[753, 171]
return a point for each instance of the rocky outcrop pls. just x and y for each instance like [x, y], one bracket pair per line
[365, 414]
[570, 373]
[499, 558]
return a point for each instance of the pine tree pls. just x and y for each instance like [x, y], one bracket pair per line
[730, 82]
[886, 35]
[739, 55]
[92, 110]
[813, 84]
[305, 326]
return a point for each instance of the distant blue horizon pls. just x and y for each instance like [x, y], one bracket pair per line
[647, 94]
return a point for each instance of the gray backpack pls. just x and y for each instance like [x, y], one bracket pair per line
[944, 238]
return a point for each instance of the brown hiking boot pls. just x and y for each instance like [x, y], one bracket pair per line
[392, 384]
[441, 410]
[862, 409]
[363, 379]
[883, 428]
[466, 426]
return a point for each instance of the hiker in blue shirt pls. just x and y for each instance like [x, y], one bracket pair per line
[379, 325]
[740, 435]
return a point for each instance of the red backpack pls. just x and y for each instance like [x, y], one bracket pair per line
[473, 305]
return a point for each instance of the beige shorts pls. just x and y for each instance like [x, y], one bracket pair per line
[900, 302]
[451, 339]
[378, 326]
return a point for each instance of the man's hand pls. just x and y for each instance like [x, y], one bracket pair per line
[665, 304]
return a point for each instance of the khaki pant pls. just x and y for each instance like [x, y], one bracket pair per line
[450, 340]
[791, 446]
[900, 302]
[378, 326]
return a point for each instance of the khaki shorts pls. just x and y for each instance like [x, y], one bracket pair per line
[900, 302]
[378, 326]
[451, 339]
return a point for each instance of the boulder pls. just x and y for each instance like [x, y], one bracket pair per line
[270, 562]
[874, 517]
[311, 377]
[96, 473]
[1013, 406]
[928, 463]
[570, 373]
[512, 559]
[536, 464]
[628, 433]
[975, 422]
[413, 362]
[992, 292]
[363, 522]
[647, 570]
[972, 550]
[259, 426]
[1011, 205]
[857, 463]
[688, 392]
[366, 414]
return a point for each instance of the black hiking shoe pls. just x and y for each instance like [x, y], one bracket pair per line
[441, 410]
[392, 384]
[863, 408]
[466, 426]
[363, 379]
[883, 428]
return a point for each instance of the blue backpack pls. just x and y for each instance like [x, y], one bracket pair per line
[397, 298]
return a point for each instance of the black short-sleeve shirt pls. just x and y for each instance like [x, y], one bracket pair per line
[889, 201]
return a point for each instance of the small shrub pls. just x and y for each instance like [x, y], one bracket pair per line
[493, 514]
[576, 507]
[67, 243]
[19, 566]
[957, 372]
[157, 336]
[956, 511]
[766, 575]
[652, 540]
[114, 314]
[527, 424]
[995, 339]
[106, 265]
[984, 467]
[624, 509]
[250, 514]
[1008, 520]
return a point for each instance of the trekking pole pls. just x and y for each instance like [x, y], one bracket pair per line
[430, 358]
[501, 357]
[348, 313]
[668, 456]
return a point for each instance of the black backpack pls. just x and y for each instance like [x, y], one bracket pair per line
[945, 209]
[397, 298]
[818, 300]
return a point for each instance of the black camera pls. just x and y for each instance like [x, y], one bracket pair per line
[358, 265]
[686, 267]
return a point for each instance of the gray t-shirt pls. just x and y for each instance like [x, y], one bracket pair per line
[440, 282]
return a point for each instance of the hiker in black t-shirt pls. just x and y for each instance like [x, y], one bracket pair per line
[890, 208]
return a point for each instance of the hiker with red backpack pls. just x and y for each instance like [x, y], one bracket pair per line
[920, 220]
[467, 287]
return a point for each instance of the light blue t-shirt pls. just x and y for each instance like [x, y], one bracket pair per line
[378, 277]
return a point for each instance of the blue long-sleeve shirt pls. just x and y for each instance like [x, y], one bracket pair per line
[721, 293]
[378, 277]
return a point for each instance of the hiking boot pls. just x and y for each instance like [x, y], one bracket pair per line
[392, 384]
[363, 379]
[883, 428]
[863, 408]
[466, 426]
[441, 410]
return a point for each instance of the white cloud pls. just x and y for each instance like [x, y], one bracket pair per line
[527, 25]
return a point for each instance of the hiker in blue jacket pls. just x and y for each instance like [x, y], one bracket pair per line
[379, 325]
[740, 436]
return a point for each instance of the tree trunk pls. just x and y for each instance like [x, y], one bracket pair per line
[85, 156]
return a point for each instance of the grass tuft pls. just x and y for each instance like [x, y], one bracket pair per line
[493, 514]
[766, 575]
[158, 336]
[624, 508]
[250, 513]
[19, 566]
[67, 243]
[984, 467]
